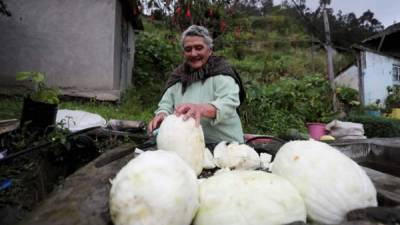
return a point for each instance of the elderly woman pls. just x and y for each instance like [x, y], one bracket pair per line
[204, 87]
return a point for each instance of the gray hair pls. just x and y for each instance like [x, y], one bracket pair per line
[199, 31]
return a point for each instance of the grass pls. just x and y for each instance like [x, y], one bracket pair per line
[10, 107]
[129, 108]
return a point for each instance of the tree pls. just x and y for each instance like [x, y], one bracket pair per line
[267, 6]
[3, 9]
[368, 21]
[346, 30]
[324, 2]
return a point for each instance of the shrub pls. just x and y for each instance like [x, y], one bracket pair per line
[260, 23]
[308, 97]
[348, 97]
[285, 104]
[393, 98]
[377, 126]
[154, 58]
[263, 119]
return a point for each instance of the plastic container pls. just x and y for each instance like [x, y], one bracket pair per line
[375, 113]
[395, 113]
[316, 130]
[38, 116]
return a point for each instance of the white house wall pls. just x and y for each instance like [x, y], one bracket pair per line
[377, 76]
[348, 78]
[72, 42]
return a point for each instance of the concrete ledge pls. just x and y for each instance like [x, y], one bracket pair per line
[102, 95]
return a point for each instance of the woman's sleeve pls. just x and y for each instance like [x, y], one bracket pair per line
[226, 98]
[166, 104]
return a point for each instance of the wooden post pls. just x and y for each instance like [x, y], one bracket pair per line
[312, 53]
[360, 76]
[328, 48]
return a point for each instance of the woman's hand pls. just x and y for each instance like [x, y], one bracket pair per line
[195, 111]
[156, 122]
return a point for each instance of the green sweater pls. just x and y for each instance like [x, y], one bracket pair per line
[220, 91]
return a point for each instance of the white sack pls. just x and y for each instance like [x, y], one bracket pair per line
[345, 130]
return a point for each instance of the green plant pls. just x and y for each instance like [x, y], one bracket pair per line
[40, 93]
[377, 126]
[348, 97]
[154, 58]
[308, 97]
[376, 106]
[373, 107]
[393, 98]
[285, 104]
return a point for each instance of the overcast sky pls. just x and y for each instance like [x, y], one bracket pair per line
[386, 11]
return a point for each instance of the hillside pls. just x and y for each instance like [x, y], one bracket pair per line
[280, 59]
[283, 67]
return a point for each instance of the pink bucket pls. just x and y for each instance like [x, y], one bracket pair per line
[316, 130]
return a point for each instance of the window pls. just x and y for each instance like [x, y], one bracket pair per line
[396, 73]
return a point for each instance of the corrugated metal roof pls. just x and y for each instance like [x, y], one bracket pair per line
[389, 30]
[385, 43]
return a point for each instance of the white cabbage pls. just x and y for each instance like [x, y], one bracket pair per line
[184, 138]
[245, 197]
[265, 160]
[208, 162]
[330, 183]
[155, 188]
[236, 156]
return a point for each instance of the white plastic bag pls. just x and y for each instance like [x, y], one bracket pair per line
[76, 120]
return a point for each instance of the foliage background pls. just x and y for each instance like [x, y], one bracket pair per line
[278, 50]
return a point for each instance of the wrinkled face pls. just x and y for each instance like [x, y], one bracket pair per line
[195, 51]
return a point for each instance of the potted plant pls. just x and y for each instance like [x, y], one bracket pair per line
[39, 110]
[392, 101]
[373, 109]
[316, 129]
[318, 117]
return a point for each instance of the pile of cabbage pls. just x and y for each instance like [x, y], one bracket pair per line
[309, 180]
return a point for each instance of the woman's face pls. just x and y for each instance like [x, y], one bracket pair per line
[195, 51]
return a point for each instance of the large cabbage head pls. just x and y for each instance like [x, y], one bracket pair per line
[236, 156]
[245, 197]
[156, 188]
[331, 183]
[184, 138]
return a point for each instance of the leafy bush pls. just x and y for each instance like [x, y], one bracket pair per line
[393, 98]
[308, 97]
[378, 126]
[348, 97]
[263, 119]
[154, 58]
[248, 66]
[260, 23]
[288, 103]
